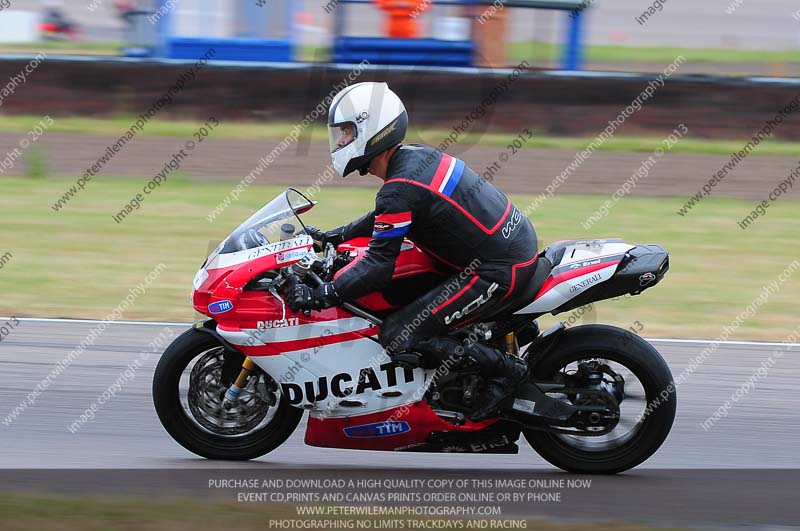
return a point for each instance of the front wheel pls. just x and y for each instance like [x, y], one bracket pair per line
[188, 395]
[645, 392]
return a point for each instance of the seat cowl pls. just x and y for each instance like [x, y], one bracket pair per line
[555, 251]
[577, 265]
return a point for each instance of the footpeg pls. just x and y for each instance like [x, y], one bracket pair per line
[408, 360]
[453, 417]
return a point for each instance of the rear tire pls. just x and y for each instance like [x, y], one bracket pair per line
[175, 418]
[630, 350]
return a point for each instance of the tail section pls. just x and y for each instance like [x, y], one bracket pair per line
[586, 271]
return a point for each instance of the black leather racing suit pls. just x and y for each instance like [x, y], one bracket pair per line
[458, 218]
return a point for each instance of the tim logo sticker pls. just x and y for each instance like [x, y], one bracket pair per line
[220, 306]
[378, 429]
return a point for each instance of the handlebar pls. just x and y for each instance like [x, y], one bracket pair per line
[355, 310]
[307, 274]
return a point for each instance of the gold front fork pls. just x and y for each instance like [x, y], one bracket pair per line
[247, 367]
[510, 344]
[241, 381]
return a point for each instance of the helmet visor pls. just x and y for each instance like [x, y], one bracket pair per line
[340, 135]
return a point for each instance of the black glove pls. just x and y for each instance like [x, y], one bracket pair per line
[301, 298]
[334, 236]
[318, 236]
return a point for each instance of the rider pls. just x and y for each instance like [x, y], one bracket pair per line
[449, 211]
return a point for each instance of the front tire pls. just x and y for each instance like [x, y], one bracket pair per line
[644, 361]
[189, 433]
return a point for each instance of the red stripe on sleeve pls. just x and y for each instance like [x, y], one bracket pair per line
[441, 171]
[398, 217]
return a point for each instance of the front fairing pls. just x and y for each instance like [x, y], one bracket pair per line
[278, 220]
[266, 241]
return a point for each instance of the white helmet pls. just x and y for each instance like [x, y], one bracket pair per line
[364, 120]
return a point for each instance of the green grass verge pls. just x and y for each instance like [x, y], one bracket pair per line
[609, 53]
[46, 512]
[276, 131]
[63, 48]
[80, 263]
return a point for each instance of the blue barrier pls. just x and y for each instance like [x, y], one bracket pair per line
[573, 51]
[435, 52]
[379, 50]
[268, 50]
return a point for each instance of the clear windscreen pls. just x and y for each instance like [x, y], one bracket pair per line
[276, 221]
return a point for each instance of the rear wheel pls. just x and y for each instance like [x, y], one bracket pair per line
[647, 400]
[188, 396]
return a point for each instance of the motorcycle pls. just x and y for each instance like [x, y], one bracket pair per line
[56, 26]
[235, 386]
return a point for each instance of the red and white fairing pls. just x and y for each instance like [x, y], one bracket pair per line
[330, 362]
[584, 265]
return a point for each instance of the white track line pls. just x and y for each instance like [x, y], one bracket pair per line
[655, 339]
[743, 343]
[48, 320]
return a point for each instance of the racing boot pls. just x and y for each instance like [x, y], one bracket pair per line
[503, 374]
[444, 353]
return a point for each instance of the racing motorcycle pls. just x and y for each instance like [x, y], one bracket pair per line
[235, 386]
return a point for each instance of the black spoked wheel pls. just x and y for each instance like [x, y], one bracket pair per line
[188, 394]
[638, 379]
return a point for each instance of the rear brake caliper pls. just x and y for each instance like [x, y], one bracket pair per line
[597, 392]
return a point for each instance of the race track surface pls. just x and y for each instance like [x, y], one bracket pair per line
[743, 471]
[760, 430]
